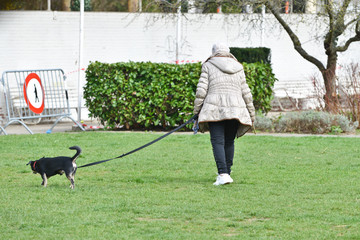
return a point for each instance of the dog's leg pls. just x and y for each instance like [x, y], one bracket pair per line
[71, 179]
[71, 176]
[44, 180]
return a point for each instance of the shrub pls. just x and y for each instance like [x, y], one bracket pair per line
[261, 80]
[345, 124]
[304, 122]
[252, 55]
[145, 95]
[141, 95]
[263, 123]
[314, 122]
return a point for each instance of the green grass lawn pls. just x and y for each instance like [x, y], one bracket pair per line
[284, 188]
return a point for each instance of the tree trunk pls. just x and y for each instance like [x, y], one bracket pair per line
[66, 5]
[133, 5]
[329, 76]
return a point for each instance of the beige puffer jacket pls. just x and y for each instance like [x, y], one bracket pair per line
[222, 93]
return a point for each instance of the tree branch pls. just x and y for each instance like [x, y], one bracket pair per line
[340, 19]
[297, 44]
[329, 38]
[356, 38]
[347, 44]
[337, 27]
[352, 21]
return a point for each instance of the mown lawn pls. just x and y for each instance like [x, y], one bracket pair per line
[284, 188]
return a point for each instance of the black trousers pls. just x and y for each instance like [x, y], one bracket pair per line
[222, 136]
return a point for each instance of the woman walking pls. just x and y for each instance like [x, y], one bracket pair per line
[224, 105]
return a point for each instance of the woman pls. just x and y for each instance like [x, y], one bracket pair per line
[224, 105]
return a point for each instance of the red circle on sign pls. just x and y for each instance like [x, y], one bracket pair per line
[36, 109]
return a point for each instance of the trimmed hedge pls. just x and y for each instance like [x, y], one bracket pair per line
[141, 95]
[252, 55]
[145, 95]
[261, 80]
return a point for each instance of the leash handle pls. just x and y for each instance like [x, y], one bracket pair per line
[145, 145]
[196, 127]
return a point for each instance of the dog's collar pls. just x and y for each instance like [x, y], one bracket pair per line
[34, 165]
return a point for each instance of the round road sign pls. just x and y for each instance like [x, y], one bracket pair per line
[34, 93]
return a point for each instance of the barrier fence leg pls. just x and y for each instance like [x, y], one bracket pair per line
[77, 123]
[58, 120]
[3, 130]
[26, 127]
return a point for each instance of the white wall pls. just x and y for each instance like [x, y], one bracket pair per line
[45, 39]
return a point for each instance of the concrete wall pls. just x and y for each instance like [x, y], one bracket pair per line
[45, 39]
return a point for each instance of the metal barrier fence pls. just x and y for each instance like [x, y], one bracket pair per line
[32, 95]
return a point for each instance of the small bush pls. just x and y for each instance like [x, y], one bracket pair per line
[314, 122]
[345, 124]
[305, 122]
[263, 123]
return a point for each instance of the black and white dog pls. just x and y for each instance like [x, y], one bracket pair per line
[48, 167]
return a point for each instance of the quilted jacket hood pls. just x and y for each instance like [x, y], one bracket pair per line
[226, 64]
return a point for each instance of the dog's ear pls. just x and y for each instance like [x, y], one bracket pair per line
[29, 163]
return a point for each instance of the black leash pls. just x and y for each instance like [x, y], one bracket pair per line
[144, 146]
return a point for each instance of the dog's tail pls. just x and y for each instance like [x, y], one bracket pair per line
[78, 151]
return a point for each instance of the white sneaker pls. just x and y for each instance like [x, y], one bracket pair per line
[222, 179]
[230, 178]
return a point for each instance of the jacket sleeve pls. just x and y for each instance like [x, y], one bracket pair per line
[247, 96]
[201, 90]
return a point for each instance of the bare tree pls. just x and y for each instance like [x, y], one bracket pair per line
[339, 19]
